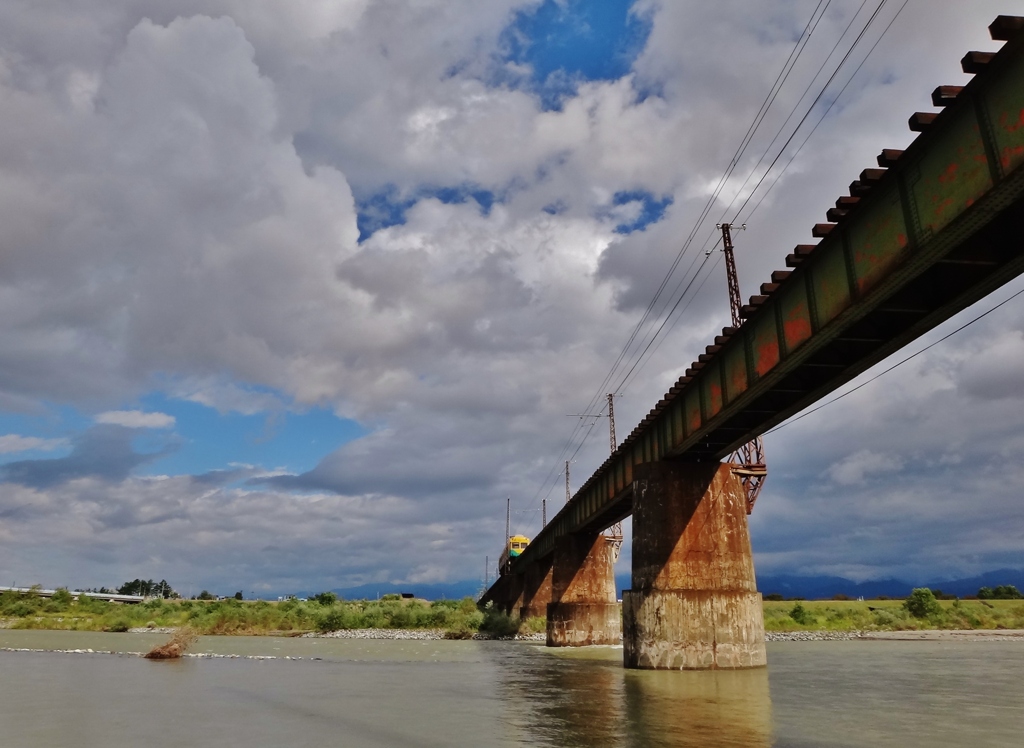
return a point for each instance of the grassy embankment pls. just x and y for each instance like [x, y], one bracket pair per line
[891, 615]
[460, 618]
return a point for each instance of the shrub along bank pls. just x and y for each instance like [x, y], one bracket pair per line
[462, 618]
[325, 613]
[918, 612]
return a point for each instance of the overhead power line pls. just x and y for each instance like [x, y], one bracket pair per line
[647, 335]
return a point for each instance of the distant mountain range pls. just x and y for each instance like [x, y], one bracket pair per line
[788, 585]
[451, 591]
[826, 587]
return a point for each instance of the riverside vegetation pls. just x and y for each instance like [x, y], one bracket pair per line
[462, 618]
[921, 610]
[324, 612]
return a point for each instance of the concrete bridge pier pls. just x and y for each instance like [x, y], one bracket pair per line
[583, 610]
[694, 603]
[507, 593]
[537, 589]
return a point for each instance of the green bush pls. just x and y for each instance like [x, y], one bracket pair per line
[922, 604]
[20, 609]
[801, 615]
[333, 620]
[535, 625]
[498, 623]
[884, 618]
[1002, 592]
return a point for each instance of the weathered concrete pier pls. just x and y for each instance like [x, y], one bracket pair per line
[584, 608]
[694, 602]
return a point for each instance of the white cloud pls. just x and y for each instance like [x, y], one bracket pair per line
[860, 465]
[136, 419]
[178, 194]
[10, 443]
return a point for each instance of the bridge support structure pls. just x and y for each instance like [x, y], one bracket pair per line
[583, 610]
[694, 604]
[536, 589]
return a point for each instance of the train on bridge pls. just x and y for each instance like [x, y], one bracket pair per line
[513, 549]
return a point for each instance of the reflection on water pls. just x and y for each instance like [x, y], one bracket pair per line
[559, 699]
[586, 698]
[402, 693]
[720, 708]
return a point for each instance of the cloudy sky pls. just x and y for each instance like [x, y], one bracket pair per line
[294, 295]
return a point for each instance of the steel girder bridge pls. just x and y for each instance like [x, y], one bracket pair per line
[931, 230]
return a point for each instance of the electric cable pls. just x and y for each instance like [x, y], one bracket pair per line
[821, 119]
[770, 98]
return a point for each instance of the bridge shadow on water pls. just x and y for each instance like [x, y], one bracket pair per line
[586, 698]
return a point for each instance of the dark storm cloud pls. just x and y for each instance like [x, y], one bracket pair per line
[103, 452]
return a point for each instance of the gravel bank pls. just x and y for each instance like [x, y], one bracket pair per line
[929, 635]
[193, 655]
[812, 636]
[413, 634]
[970, 635]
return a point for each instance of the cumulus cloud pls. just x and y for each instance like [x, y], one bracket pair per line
[14, 443]
[180, 191]
[136, 419]
[855, 468]
[276, 540]
[103, 452]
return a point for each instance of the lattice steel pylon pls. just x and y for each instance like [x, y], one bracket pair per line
[749, 459]
[616, 530]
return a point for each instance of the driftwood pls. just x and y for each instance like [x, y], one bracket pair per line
[179, 643]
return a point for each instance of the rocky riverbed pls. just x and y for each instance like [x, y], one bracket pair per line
[193, 655]
[812, 636]
[411, 634]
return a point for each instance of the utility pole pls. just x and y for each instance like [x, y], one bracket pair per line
[487, 572]
[544, 512]
[611, 420]
[567, 496]
[616, 529]
[505, 559]
[750, 460]
[735, 300]
[616, 534]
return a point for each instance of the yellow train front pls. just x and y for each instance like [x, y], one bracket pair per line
[515, 546]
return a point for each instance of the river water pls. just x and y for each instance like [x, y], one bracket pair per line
[441, 693]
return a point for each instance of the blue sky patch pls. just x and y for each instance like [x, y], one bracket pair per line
[388, 207]
[213, 441]
[651, 210]
[571, 41]
[381, 210]
[200, 440]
